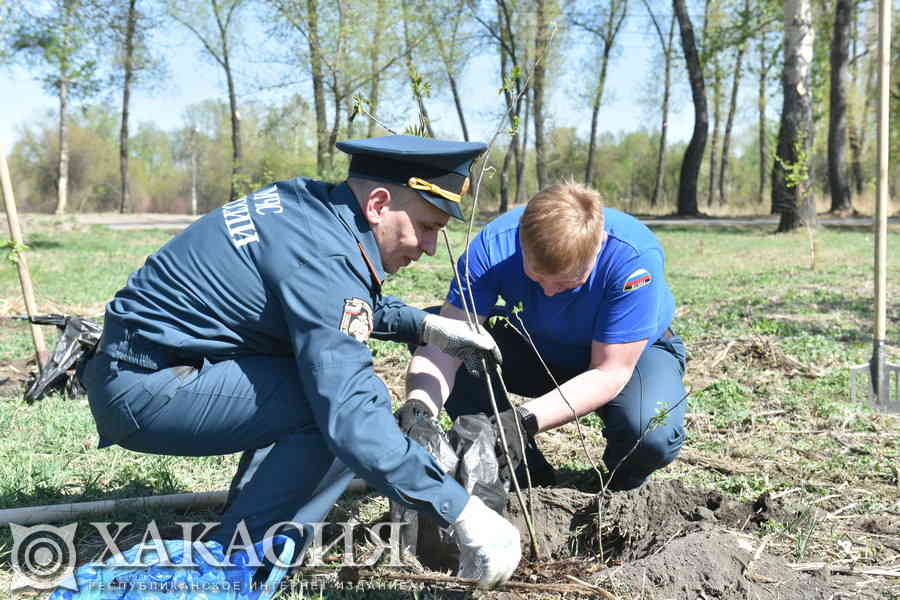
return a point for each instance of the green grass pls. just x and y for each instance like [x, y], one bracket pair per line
[775, 406]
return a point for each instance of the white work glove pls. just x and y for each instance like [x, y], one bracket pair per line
[457, 339]
[488, 544]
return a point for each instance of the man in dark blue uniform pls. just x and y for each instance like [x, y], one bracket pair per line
[589, 289]
[246, 333]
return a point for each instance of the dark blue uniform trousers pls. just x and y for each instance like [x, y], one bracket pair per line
[252, 404]
[656, 386]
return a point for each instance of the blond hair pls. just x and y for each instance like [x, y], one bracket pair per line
[562, 227]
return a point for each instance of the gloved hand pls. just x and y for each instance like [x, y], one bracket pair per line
[489, 548]
[457, 339]
[511, 420]
[411, 413]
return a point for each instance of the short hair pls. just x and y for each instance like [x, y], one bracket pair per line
[561, 228]
[400, 195]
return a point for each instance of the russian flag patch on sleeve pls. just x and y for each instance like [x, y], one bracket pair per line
[636, 280]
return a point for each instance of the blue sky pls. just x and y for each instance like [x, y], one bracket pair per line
[193, 79]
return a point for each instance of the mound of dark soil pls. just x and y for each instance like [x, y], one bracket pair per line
[666, 539]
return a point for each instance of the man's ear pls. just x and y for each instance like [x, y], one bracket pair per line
[376, 203]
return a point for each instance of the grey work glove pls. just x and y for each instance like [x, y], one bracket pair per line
[489, 547]
[457, 339]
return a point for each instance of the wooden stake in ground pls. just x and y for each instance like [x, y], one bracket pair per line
[15, 232]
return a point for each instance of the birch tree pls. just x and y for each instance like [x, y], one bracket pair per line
[56, 39]
[791, 187]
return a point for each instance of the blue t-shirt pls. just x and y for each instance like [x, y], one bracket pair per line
[625, 298]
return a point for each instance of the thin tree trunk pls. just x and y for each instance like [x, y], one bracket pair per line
[318, 81]
[762, 127]
[693, 155]
[595, 111]
[126, 99]
[717, 124]
[237, 154]
[791, 189]
[415, 79]
[837, 121]
[504, 179]
[457, 101]
[523, 153]
[62, 186]
[541, 50]
[375, 57]
[858, 130]
[665, 43]
[729, 123]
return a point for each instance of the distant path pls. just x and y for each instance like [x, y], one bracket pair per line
[769, 221]
[177, 222]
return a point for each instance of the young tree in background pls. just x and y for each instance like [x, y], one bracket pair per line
[541, 55]
[510, 33]
[129, 26]
[837, 114]
[767, 54]
[667, 49]
[791, 186]
[214, 23]
[454, 46]
[421, 87]
[740, 32]
[693, 155]
[712, 46]
[602, 21]
[58, 42]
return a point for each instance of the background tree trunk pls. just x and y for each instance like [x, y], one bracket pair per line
[128, 68]
[416, 82]
[541, 51]
[791, 189]
[62, 186]
[375, 58]
[729, 122]
[693, 155]
[837, 116]
[664, 110]
[716, 68]
[318, 82]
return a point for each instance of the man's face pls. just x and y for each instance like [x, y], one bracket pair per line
[406, 229]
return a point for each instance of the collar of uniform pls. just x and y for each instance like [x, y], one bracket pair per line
[347, 208]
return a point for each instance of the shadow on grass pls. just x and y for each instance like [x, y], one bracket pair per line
[43, 243]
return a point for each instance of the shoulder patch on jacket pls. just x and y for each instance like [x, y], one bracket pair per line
[638, 279]
[356, 320]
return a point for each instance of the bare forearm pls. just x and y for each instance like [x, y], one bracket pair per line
[430, 377]
[585, 393]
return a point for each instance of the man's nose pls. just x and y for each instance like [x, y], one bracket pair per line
[429, 244]
[550, 290]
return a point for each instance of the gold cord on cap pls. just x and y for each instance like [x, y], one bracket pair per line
[426, 186]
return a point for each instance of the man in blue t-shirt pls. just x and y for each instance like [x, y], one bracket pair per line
[586, 286]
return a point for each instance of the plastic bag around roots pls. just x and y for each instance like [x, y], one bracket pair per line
[77, 340]
[467, 453]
